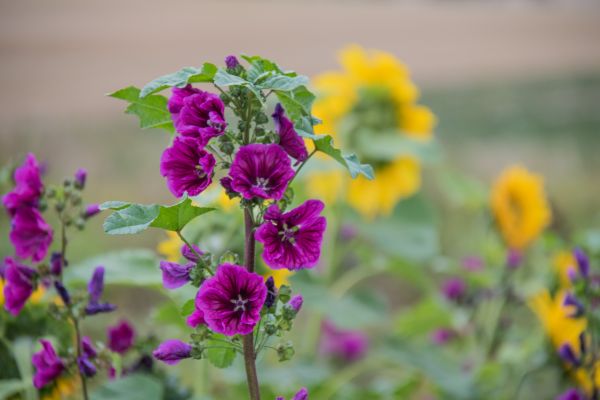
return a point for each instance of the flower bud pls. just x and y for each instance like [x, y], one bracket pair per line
[62, 292]
[175, 275]
[583, 262]
[172, 351]
[285, 351]
[271, 292]
[192, 254]
[231, 62]
[454, 288]
[86, 367]
[514, 259]
[80, 177]
[91, 210]
[571, 301]
[56, 263]
[568, 355]
[296, 303]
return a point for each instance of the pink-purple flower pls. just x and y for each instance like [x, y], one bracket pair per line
[442, 336]
[172, 351]
[28, 186]
[571, 394]
[454, 288]
[47, 364]
[197, 317]
[187, 167]
[30, 234]
[292, 240]
[19, 285]
[302, 394]
[197, 113]
[261, 170]
[120, 337]
[296, 303]
[347, 345]
[289, 139]
[95, 289]
[232, 299]
[175, 275]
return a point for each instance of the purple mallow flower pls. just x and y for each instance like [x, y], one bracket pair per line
[454, 288]
[571, 394]
[95, 289]
[175, 275]
[292, 240]
[442, 336]
[172, 351]
[197, 114]
[191, 255]
[232, 299]
[197, 317]
[261, 170]
[28, 187]
[296, 303]
[301, 395]
[30, 234]
[348, 345]
[514, 259]
[120, 337]
[566, 352]
[19, 285]
[47, 364]
[187, 167]
[80, 178]
[91, 210]
[86, 366]
[231, 62]
[289, 139]
[583, 262]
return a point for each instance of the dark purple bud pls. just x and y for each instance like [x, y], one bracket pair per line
[296, 303]
[88, 348]
[56, 263]
[231, 62]
[97, 308]
[86, 367]
[271, 292]
[348, 232]
[454, 288]
[301, 395]
[572, 274]
[226, 183]
[571, 394]
[62, 292]
[568, 355]
[120, 337]
[514, 259]
[172, 351]
[582, 343]
[571, 300]
[583, 262]
[175, 275]
[442, 336]
[190, 255]
[96, 285]
[91, 210]
[80, 177]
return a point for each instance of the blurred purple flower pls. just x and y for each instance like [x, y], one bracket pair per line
[190, 255]
[80, 178]
[91, 210]
[571, 301]
[571, 394]
[175, 275]
[301, 395]
[120, 337]
[86, 366]
[28, 186]
[472, 263]
[232, 300]
[88, 348]
[296, 303]
[197, 317]
[289, 139]
[56, 263]
[30, 234]
[566, 352]
[514, 259]
[187, 167]
[454, 288]
[231, 62]
[271, 292]
[172, 351]
[583, 262]
[62, 292]
[95, 289]
[292, 240]
[348, 345]
[47, 364]
[442, 336]
[19, 285]
[261, 170]
[197, 114]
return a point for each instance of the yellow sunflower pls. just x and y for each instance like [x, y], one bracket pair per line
[564, 261]
[64, 388]
[371, 99]
[170, 248]
[520, 206]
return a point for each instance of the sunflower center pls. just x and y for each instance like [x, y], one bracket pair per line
[239, 303]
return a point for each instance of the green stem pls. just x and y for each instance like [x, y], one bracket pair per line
[79, 352]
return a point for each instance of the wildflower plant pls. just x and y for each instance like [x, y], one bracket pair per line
[225, 135]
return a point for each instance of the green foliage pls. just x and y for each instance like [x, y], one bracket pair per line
[180, 78]
[131, 387]
[297, 103]
[350, 162]
[151, 110]
[420, 320]
[218, 352]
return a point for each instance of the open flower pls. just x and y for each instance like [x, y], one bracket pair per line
[172, 351]
[292, 240]
[187, 167]
[261, 170]
[289, 139]
[28, 188]
[120, 337]
[232, 299]
[47, 364]
[30, 234]
[197, 317]
[348, 345]
[197, 113]
[19, 285]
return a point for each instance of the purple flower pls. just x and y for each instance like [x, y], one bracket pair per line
[197, 317]
[292, 240]
[62, 292]
[226, 182]
[301, 395]
[583, 262]
[28, 188]
[454, 288]
[86, 367]
[91, 210]
[197, 114]
[172, 351]
[289, 139]
[231, 62]
[571, 301]
[261, 170]
[472, 263]
[30, 234]
[80, 178]
[187, 167]
[120, 337]
[271, 292]
[514, 259]
[88, 348]
[56, 263]
[442, 336]
[47, 364]
[232, 299]
[348, 345]
[19, 285]
[190, 255]
[296, 303]
[571, 394]
[95, 289]
[566, 352]
[175, 275]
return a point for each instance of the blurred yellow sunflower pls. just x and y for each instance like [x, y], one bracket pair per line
[370, 106]
[564, 261]
[280, 276]
[520, 206]
[64, 388]
[170, 248]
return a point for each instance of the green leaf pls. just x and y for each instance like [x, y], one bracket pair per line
[391, 145]
[420, 320]
[188, 308]
[351, 162]
[218, 353]
[135, 267]
[304, 128]
[260, 67]
[180, 78]
[114, 205]
[283, 82]
[224, 79]
[131, 387]
[11, 387]
[297, 103]
[151, 110]
[176, 217]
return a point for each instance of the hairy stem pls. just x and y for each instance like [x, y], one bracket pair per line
[248, 340]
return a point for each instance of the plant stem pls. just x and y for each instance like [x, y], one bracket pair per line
[248, 340]
[81, 375]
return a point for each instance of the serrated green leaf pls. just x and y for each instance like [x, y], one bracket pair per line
[304, 128]
[283, 82]
[151, 110]
[176, 217]
[180, 78]
[188, 308]
[132, 219]
[297, 103]
[260, 67]
[224, 79]
[351, 161]
[218, 353]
